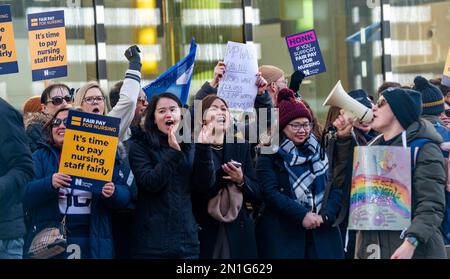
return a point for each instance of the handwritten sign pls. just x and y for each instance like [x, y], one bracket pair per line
[237, 86]
[380, 197]
[47, 40]
[305, 53]
[446, 75]
[89, 150]
[8, 53]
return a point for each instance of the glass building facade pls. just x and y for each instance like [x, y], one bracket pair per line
[363, 42]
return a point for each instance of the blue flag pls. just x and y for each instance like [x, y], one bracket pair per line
[176, 80]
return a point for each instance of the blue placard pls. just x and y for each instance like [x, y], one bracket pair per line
[305, 53]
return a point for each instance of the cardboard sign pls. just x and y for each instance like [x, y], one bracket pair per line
[8, 53]
[89, 150]
[305, 53]
[47, 41]
[446, 75]
[237, 86]
[380, 198]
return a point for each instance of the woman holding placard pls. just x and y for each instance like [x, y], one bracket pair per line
[49, 199]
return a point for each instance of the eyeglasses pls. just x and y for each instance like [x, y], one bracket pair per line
[57, 100]
[142, 99]
[381, 102]
[57, 121]
[94, 99]
[447, 112]
[297, 126]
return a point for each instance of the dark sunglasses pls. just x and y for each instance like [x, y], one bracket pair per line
[381, 102]
[57, 121]
[57, 100]
[447, 112]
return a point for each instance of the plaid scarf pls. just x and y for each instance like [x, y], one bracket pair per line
[304, 167]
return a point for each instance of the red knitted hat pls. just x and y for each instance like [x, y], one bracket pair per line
[289, 108]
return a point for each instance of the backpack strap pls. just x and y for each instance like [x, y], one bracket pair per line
[416, 145]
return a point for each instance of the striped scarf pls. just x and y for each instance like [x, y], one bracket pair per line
[304, 167]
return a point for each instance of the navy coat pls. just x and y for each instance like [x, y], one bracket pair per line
[279, 229]
[164, 224]
[41, 203]
[241, 231]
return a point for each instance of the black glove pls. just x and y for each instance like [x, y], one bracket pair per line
[132, 54]
[296, 79]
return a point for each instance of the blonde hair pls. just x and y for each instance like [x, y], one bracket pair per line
[82, 92]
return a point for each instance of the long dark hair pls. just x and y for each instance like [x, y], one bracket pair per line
[207, 103]
[150, 128]
[47, 129]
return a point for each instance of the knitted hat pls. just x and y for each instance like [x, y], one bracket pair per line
[271, 73]
[361, 96]
[406, 104]
[290, 108]
[432, 98]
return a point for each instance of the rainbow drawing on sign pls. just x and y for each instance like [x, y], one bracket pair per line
[380, 191]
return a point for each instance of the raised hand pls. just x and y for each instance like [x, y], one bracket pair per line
[219, 71]
[296, 80]
[172, 139]
[206, 134]
[261, 83]
[132, 54]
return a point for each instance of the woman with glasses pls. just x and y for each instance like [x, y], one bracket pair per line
[166, 173]
[227, 229]
[91, 98]
[48, 198]
[300, 205]
[54, 97]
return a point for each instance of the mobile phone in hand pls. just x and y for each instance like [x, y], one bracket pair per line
[236, 164]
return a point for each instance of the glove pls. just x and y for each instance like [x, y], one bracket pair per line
[132, 54]
[296, 79]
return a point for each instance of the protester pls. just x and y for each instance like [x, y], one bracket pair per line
[166, 174]
[350, 134]
[48, 198]
[53, 98]
[122, 218]
[91, 98]
[32, 105]
[444, 89]
[15, 171]
[387, 84]
[296, 220]
[396, 116]
[228, 231]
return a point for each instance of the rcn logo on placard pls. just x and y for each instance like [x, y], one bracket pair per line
[49, 73]
[79, 182]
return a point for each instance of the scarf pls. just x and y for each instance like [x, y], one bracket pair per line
[304, 167]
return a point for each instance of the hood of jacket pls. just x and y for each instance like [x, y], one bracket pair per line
[35, 117]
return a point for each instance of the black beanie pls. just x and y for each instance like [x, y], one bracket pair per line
[432, 97]
[361, 96]
[406, 104]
